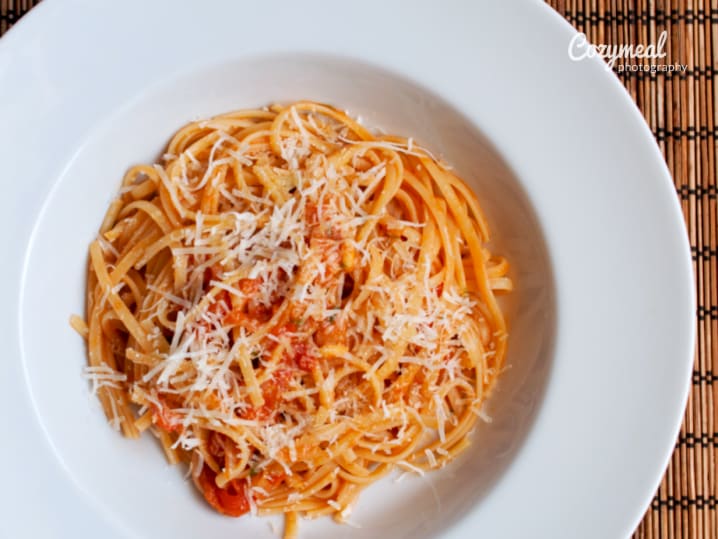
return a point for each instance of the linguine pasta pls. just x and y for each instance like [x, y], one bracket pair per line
[295, 307]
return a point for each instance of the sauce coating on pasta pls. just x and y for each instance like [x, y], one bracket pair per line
[295, 306]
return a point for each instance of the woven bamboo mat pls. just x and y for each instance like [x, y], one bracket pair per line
[681, 107]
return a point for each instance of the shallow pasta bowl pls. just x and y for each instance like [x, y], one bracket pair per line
[573, 185]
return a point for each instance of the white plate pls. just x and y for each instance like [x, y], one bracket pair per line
[575, 187]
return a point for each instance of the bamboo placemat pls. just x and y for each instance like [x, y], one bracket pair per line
[12, 10]
[681, 107]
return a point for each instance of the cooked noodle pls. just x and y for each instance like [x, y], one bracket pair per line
[294, 306]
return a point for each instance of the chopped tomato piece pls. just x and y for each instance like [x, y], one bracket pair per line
[230, 500]
[249, 287]
[256, 314]
[252, 311]
[303, 357]
[273, 388]
[289, 327]
[258, 311]
[233, 318]
[165, 418]
[272, 391]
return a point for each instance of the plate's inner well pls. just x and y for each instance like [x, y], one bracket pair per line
[99, 459]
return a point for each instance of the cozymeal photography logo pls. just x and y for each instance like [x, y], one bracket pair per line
[626, 57]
